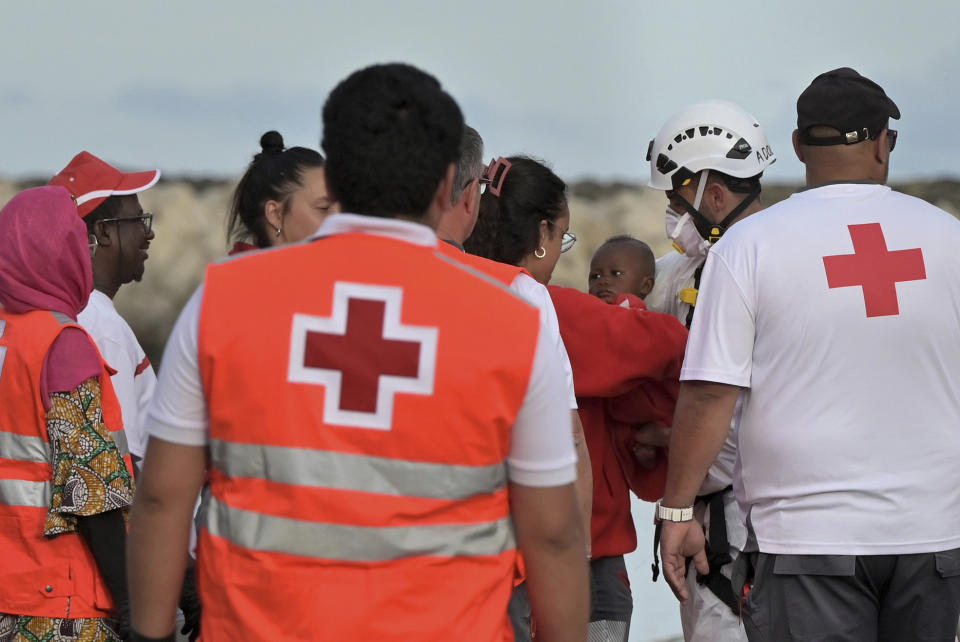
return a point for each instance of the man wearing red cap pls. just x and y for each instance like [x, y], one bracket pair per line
[120, 233]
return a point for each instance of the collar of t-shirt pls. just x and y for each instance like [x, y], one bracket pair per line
[865, 181]
[100, 300]
[389, 227]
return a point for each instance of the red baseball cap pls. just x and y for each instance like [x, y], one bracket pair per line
[91, 181]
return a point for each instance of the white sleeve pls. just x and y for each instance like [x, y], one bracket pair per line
[178, 412]
[536, 294]
[144, 385]
[541, 446]
[720, 345]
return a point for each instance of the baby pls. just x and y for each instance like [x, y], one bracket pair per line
[622, 265]
[625, 265]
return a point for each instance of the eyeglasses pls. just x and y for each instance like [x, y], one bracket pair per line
[567, 240]
[145, 219]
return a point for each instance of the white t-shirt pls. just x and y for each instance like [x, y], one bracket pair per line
[135, 380]
[541, 450]
[849, 434]
[676, 272]
[536, 294]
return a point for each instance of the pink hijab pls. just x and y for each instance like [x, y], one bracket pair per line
[44, 253]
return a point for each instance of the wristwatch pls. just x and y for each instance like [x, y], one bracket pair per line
[673, 514]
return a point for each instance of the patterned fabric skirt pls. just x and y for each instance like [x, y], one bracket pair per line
[26, 628]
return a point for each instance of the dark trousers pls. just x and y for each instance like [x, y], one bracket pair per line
[519, 611]
[865, 598]
[611, 603]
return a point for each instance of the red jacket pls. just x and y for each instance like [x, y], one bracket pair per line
[626, 367]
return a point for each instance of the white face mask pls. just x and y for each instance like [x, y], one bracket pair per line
[684, 234]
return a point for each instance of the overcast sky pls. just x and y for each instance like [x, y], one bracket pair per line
[189, 86]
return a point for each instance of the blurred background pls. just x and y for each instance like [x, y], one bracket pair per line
[189, 87]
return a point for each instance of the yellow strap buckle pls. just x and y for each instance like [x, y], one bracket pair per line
[689, 295]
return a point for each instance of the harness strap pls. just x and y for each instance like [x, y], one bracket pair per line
[718, 551]
[696, 288]
[655, 567]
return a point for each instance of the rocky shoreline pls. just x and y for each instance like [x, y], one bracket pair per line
[190, 232]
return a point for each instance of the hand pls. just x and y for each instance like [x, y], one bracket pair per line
[646, 456]
[652, 434]
[190, 604]
[678, 541]
[647, 438]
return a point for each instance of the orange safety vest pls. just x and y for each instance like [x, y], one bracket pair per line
[502, 272]
[41, 576]
[505, 274]
[360, 421]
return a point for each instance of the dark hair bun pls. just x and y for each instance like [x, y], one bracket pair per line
[271, 142]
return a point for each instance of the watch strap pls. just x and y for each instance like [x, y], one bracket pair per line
[667, 514]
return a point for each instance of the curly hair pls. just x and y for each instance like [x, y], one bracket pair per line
[508, 226]
[390, 132]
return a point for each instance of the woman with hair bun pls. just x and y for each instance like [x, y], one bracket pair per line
[282, 197]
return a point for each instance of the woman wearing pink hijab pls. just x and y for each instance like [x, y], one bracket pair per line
[65, 477]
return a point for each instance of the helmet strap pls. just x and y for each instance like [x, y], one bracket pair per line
[738, 210]
[701, 186]
[708, 229]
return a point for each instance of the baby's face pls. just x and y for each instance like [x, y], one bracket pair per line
[618, 268]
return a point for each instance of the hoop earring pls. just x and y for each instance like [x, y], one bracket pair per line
[540, 252]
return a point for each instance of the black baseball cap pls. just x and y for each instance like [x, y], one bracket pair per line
[846, 101]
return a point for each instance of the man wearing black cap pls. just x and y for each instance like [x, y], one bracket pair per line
[850, 425]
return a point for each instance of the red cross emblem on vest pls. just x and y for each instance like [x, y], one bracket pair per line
[875, 269]
[363, 355]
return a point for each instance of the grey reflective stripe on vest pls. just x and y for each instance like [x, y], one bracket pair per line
[326, 469]
[324, 540]
[120, 439]
[62, 318]
[17, 492]
[24, 448]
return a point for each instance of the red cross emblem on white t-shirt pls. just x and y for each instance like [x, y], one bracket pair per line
[363, 355]
[875, 269]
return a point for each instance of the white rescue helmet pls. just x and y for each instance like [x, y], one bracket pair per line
[714, 134]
